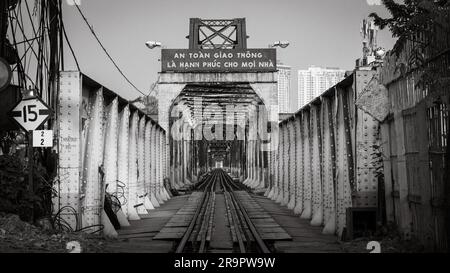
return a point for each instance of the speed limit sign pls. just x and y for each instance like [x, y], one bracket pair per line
[30, 113]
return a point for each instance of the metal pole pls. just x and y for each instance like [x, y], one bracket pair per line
[30, 170]
[3, 26]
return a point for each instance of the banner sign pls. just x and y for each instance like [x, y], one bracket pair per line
[219, 60]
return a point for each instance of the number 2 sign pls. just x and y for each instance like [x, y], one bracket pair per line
[43, 138]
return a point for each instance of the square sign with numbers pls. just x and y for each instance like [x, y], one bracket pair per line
[43, 138]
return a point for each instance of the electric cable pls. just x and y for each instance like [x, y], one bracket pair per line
[106, 52]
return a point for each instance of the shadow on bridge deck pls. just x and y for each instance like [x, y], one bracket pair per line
[138, 237]
[305, 238]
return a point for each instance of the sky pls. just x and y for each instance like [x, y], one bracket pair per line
[321, 33]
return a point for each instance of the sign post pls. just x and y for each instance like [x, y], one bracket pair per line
[30, 168]
[30, 114]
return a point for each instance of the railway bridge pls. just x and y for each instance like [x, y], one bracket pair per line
[217, 154]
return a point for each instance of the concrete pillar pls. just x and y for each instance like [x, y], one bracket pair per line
[249, 161]
[277, 166]
[153, 196]
[317, 208]
[147, 166]
[281, 175]
[257, 178]
[285, 199]
[141, 167]
[174, 163]
[111, 142]
[122, 165]
[307, 202]
[180, 163]
[133, 168]
[185, 162]
[252, 162]
[156, 166]
[292, 159]
[271, 189]
[329, 168]
[91, 181]
[163, 192]
[165, 156]
[110, 159]
[249, 179]
[299, 163]
[261, 181]
[343, 190]
[159, 196]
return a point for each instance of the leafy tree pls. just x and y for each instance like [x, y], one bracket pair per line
[414, 17]
[424, 27]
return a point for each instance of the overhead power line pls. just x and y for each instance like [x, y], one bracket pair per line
[106, 52]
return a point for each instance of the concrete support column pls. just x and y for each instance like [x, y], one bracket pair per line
[299, 162]
[110, 161]
[254, 172]
[261, 181]
[307, 202]
[176, 163]
[329, 168]
[122, 164]
[147, 166]
[93, 159]
[271, 175]
[317, 208]
[285, 199]
[166, 156]
[141, 167]
[292, 146]
[253, 162]
[158, 189]
[281, 175]
[153, 196]
[277, 165]
[183, 162]
[249, 161]
[133, 168]
[187, 161]
[180, 163]
[257, 178]
[163, 192]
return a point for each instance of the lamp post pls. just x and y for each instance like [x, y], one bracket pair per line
[153, 44]
[282, 44]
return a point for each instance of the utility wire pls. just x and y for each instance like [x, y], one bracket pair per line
[70, 46]
[104, 49]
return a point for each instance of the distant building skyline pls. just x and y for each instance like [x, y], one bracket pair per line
[310, 26]
[314, 81]
[284, 87]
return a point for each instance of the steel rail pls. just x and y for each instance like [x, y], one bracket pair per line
[200, 227]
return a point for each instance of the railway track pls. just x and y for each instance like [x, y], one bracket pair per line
[218, 191]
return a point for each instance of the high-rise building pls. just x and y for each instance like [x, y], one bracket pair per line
[284, 87]
[316, 80]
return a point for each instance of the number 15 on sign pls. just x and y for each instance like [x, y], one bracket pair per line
[42, 138]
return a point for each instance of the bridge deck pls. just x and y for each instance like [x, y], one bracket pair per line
[290, 233]
[305, 238]
[138, 237]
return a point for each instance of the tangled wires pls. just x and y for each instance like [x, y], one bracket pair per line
[118, 199]
[60, 223]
